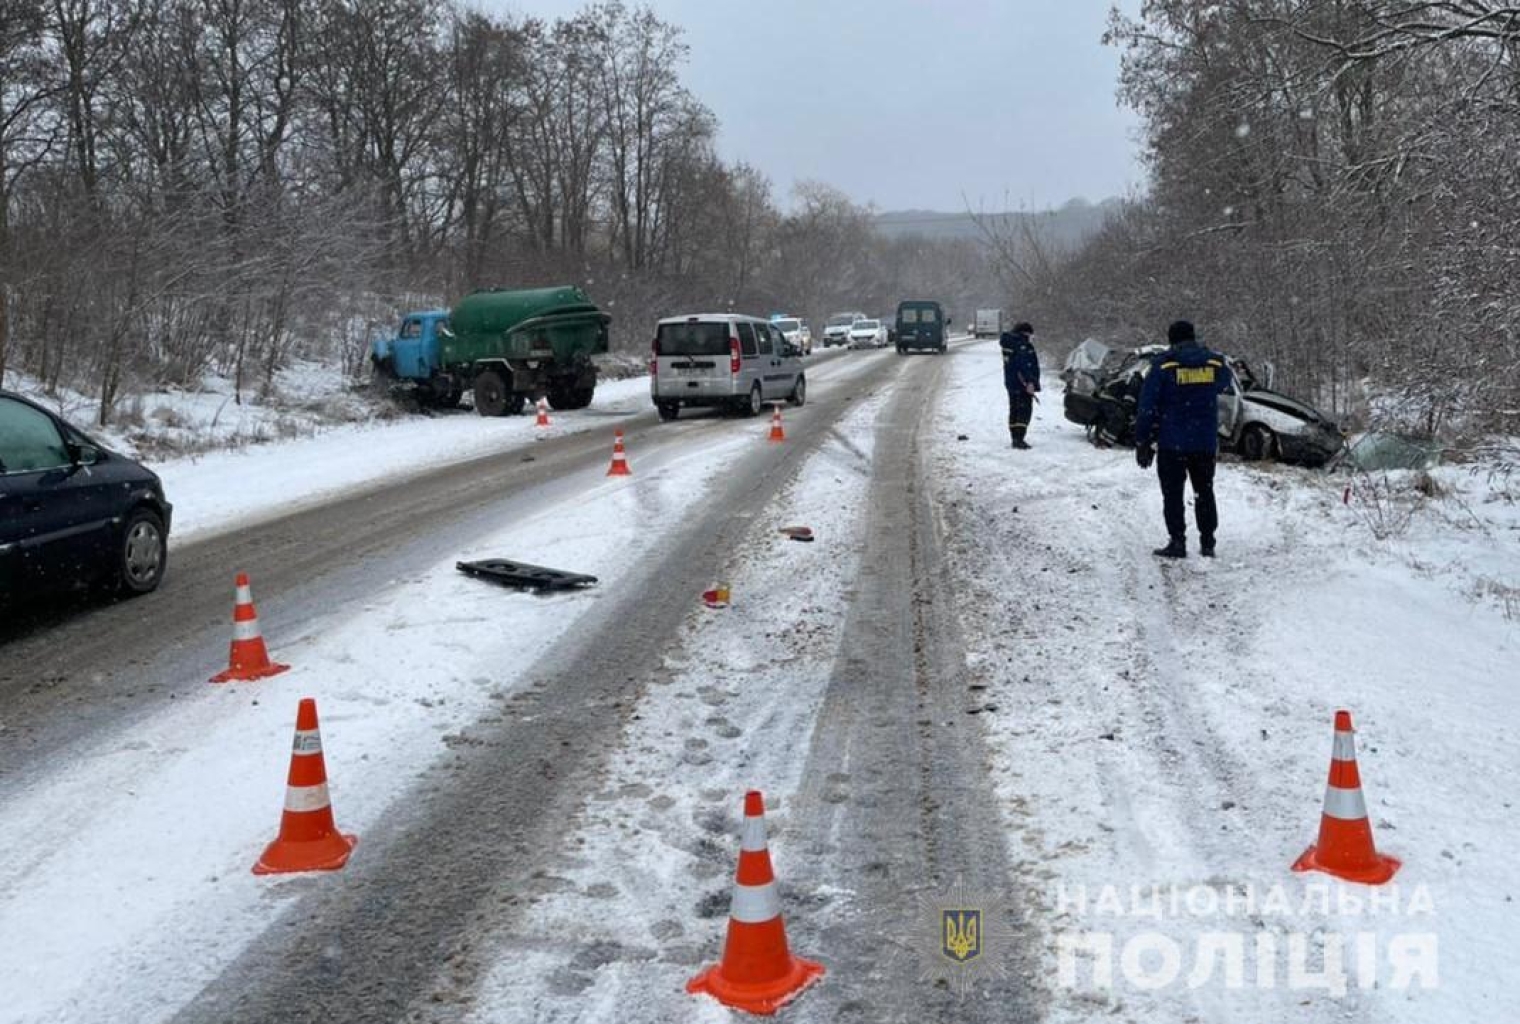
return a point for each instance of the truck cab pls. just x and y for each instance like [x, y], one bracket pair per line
[414, 354]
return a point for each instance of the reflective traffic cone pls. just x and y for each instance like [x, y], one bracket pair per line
[777, 434]
[308, 840]
[619, 457]
[758, 972]
[543, 413]
[249, 658]
[1345, 847]
[717, 597]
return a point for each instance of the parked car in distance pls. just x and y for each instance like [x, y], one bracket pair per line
[837, 330]
[73, 512]
[1103, 394]
[723, 361]
[921, 325]
[797, 332]
[868, 334]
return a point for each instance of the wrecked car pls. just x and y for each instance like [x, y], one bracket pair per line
[1103, 394]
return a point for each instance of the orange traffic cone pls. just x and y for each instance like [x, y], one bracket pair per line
[777, 434]
[308, 840]
[543, 413]
[619, 465]
[249, 658]
[1345, 847]
[717, 597]
[758, 972]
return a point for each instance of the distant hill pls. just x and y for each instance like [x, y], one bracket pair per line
[1069, 225]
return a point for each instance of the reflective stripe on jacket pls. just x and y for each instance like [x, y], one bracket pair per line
[1179, 405]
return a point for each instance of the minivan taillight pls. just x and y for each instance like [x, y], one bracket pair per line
[734, 362]
[654, 357]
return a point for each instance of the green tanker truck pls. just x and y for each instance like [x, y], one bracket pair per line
[508, 347]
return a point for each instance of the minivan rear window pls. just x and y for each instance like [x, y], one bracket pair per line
[693, 339]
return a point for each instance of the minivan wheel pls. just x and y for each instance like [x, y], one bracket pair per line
[799, 393]
[143, 553]
[668, 410]
[756, 402]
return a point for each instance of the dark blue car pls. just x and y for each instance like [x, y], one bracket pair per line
[73, 513]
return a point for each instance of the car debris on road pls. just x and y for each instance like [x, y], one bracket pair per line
[521, 574]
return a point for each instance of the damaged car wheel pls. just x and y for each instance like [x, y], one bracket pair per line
[1257, 443]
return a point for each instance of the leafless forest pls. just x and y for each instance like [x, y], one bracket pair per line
[194, 185]
[1335, 186]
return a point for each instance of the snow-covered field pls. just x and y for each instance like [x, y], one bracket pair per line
[1169, 725]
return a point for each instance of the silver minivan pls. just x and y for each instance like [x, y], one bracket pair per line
[724, 361]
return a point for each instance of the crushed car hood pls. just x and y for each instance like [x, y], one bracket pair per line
[1282, 403]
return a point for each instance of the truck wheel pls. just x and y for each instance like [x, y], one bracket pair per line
[491, 395]
[1256, 443]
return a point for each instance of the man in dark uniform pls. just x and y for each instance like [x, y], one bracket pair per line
[1178, 426]
[1021, 376]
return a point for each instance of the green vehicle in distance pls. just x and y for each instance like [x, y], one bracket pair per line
[508, 347]
[921, 325]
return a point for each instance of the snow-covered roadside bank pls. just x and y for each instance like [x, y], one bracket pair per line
[642, 897]
[1168, 725]
[132, 887]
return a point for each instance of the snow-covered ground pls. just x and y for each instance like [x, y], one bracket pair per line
[1152, 725]
[734, 709]
[132, 886]
[1168, 725]
[219, 490]
[307, 398]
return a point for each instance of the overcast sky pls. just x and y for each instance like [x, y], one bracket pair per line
[910, 104]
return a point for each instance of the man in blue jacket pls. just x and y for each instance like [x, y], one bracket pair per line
[1021, 376]
[1178, 426]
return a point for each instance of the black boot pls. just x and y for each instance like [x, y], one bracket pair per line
[1206, 546]
[1175, 548]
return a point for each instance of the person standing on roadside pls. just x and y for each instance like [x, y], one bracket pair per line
[1178, 427]
[1021, 376]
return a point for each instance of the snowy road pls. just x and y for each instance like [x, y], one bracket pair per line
[976, 686]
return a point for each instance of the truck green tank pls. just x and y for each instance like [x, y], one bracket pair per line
[508, 346]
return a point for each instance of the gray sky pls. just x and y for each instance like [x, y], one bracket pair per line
[909, 104]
